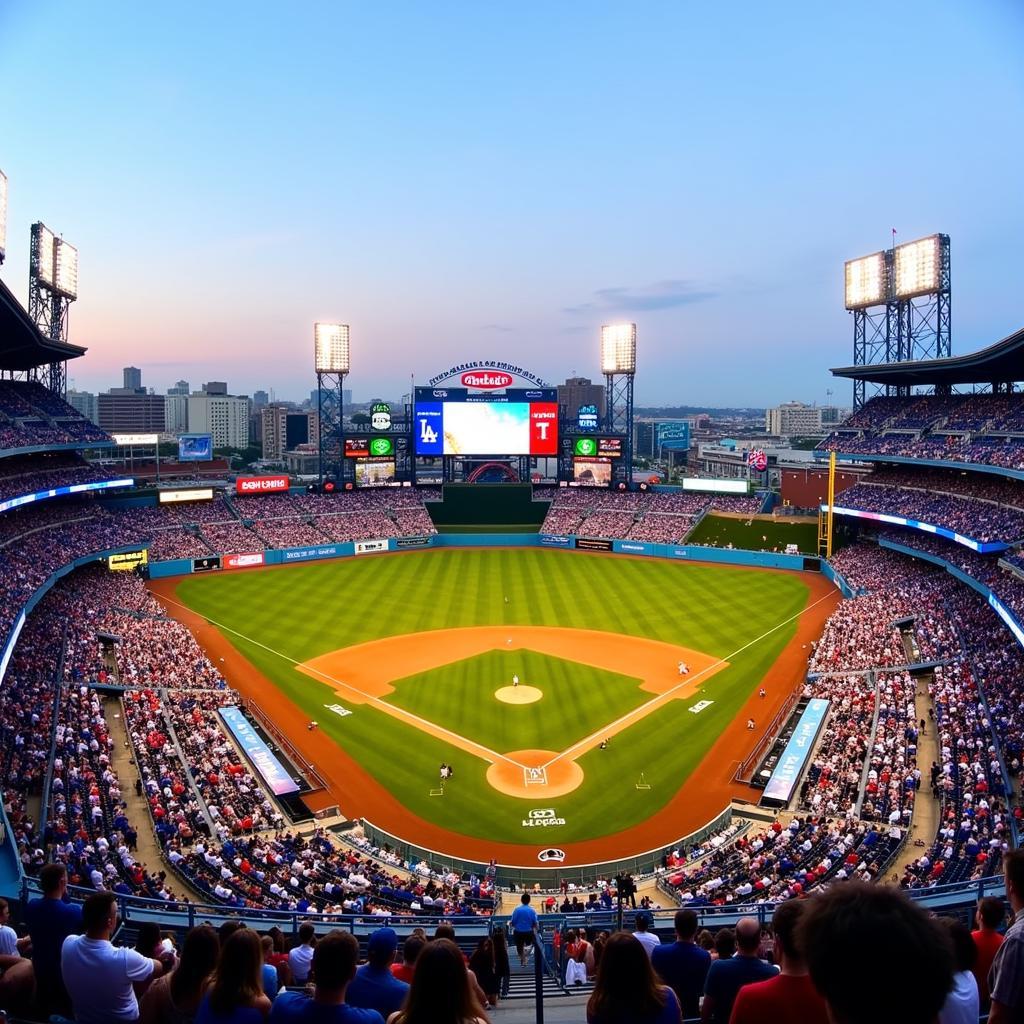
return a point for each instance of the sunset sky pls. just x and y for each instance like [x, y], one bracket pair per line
[466, 181]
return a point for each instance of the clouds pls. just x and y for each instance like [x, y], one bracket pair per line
[668, 294]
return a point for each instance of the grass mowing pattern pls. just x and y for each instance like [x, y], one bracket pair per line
[306, 610]
[760, 535]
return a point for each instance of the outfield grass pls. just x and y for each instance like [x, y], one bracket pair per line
[286, 616]
[760, 535]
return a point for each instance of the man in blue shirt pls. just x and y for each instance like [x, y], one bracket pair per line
[51, 919]
[727, 977]
[334, 967]
[524, 926]
[682, 964]
[374, 986]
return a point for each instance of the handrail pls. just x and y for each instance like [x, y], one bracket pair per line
[58, 690]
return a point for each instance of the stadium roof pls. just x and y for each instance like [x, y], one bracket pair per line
[1000, 363]
[21, 345]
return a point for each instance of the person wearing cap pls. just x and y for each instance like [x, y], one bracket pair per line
[374, 986]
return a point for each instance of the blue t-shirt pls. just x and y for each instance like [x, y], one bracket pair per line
[376, 988]
[684, 967]
[270, 981]
[296, 1008]
[669, 1014]
[50, 922]
[239, 1015]
[727, 977]
[524, 917]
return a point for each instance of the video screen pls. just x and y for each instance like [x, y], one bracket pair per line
[592, 472]
[486, 428]
[376, 473]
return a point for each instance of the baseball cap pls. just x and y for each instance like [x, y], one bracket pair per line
[383, 940]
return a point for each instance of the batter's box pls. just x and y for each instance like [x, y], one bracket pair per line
[535, 776]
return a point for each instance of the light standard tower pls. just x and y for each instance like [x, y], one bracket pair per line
[332, 361]
[618, 364]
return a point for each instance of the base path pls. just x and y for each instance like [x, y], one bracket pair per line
[704, 794]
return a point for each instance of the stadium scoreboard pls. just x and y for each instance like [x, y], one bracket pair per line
[459, 421]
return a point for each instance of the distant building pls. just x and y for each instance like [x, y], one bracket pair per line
[131, 413]
[650, 436]
[84, 403]
[580, 391]
[223, 416]
[132, 378]
[259, 399]
[181, 388]
[793, 419]
[283, 429]
[176, 412]
[215, 387]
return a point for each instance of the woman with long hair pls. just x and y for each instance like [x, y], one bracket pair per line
[440, 992]
[174, 998]
[501, 964]
[236, 994]
[481, 963]
[627, 990]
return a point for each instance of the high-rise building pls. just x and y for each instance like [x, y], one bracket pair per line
[259, 399]
[215, 387]
[791, 419]
[131, 413]
[181, 388]
[176, 412]
[580, 391]
[225, 417]
[132, 378]
[283, 428]
[83, 402]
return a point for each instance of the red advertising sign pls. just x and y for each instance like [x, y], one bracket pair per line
[543, 428]
[261, 484]
[487, 380]
[243, 561]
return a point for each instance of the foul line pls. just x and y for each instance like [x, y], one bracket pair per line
[663, 698]
[388, 709]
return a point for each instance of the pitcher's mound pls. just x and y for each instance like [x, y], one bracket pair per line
[518, 694]
[512, 779]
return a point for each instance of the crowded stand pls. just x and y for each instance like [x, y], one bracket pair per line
[32, 415]
[29, 474]
[986, 487]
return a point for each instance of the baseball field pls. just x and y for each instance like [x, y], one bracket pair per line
[549, 682]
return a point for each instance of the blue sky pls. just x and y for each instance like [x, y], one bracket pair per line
[472, 181]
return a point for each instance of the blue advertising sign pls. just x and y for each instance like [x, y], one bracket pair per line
[195, 448]
[271, 770]
[56, 492]
[794, 757]
[429, 429]
[304, 554]
[554, 540]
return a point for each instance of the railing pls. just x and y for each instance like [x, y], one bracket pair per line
[746, 766]
[308, 770]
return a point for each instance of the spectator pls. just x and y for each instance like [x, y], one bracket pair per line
[236, 995]
[627, 988]
[10, 944]
[411, 949]
[440, 992]
[727, 976]
[334, 967]
[789, 997]
[174, 998]
[374, 986]
[300, 958]
[863, 945]
[649, 940]
[100, 976]
[481, 963]
[987, 940]
[271, 981]
[682, 964]
[51, 919]
[524, 927]
[962, 1005]
[501, 964]
[1006, 978]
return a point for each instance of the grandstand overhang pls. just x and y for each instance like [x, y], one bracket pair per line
[22, 346]
[1001, 363]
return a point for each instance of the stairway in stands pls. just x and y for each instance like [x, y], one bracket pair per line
[522, 985]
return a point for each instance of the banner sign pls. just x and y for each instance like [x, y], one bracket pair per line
[56, 492]
[304, 554]
[791, 765]
[487, 368]
[586, 417]
[553, 540]
[206, 563]
[191, 494]
[593, 544]
[698, 483]
[364, 547]
[262, 485]
[127, 440]
[633, 547]
[128, 560]
[412, 542]
[244, 561]
[273, 773]
[881, 517]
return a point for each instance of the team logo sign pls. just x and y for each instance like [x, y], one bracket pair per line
[585, 446]
[542, 817]
[546, 855]
[380, 416]
[381, 446]
[488, 380]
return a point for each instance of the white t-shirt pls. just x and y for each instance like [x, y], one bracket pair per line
[8, 941]
[300, 959]
[961, 1004]
[99, 977]
[648, 940]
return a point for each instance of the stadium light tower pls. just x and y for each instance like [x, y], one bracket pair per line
[618, 364]
[52, 287]
[332, 361]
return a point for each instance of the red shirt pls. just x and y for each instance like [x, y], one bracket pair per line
[987, 942]
[784, 999]
[403, 972]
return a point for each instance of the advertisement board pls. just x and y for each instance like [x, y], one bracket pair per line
[56, 492]
[186, 494]
[206, 563]
[983, 547]
[127, 440]
[592, 472]
[593, 544]
[262, 485]
[304, 554]
[554, 540]
[273, 773]
[365, 547]
[791, 764]
[376, 473]
[412, 542]
[195, 448]
[697, 483]
[126, 561]
[586, 417]
[243, 561]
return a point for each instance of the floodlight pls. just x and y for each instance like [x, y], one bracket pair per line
[3, 215]
[865, 281]
[66, 269]
[41, 266]
[618, 348]
[331, 348]
[918, 267]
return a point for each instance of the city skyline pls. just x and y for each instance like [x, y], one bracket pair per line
[481, 187]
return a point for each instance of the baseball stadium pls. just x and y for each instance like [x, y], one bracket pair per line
[506, 700]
